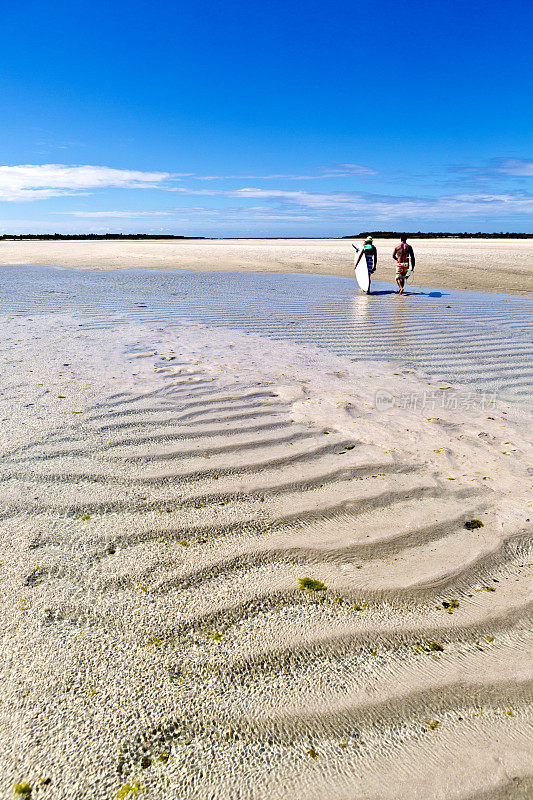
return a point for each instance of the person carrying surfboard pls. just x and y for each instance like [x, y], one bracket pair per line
[371, 255]
[403, 253]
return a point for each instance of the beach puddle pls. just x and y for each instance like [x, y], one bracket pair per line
[483, 341]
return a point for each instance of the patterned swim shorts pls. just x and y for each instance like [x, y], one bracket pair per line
[401, 269]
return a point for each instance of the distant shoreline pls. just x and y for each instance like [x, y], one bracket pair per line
[122, 237]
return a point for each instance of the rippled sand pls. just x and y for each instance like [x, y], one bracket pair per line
[165, 488]
[481, 340]
[477, 265]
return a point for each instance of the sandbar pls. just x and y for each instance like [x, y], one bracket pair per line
[504, 266]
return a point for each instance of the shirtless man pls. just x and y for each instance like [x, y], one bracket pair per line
[402, 253]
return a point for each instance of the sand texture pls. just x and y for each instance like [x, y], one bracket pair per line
[478, 265]
[164, 489]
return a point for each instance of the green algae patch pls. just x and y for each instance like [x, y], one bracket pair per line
[128, 789]
[472, 524]
[36, 576]
[311, 585]
[312, 752]
[216, 636]
[450, 604]
[434, 725]
[23, 789]
[163, 757]
[509, 713]
[430, 647]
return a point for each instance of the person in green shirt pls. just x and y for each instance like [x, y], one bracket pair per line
[371, 255]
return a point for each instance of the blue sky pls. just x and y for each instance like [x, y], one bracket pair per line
[266, 118]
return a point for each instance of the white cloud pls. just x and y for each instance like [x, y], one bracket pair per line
[326, 209]
[343, 170]
[516, 166]
[496, 169]
[329, 209]
[380, 207]
[26, 182]
[113, 214]
[334, 171]
[40, 181]
[272, 176]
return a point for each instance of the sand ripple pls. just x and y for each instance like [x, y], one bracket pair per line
[156, 634]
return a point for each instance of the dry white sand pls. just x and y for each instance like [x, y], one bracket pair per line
[163, 493]
[479, 265]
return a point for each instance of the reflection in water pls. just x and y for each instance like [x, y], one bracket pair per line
[400, 339]
[381, 324]
[361, 308]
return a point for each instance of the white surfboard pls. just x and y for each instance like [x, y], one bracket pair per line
[361, 273]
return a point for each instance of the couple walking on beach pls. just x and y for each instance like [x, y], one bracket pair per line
[403, 254]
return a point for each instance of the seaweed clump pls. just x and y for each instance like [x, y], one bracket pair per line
[311, 585]
[472, 524]
[23, 789]
[133, 788]
[451, 604]
[430, 647]
[35, 577]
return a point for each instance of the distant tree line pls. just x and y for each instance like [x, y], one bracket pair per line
[439, 235]
[91, 236]
[377, 234]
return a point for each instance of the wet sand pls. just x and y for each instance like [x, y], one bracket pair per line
[166, 486]
[477, 265]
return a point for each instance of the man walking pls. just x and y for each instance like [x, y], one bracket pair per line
[370, 253]
[402, 253]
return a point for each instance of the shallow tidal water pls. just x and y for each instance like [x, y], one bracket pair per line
[480, 340]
